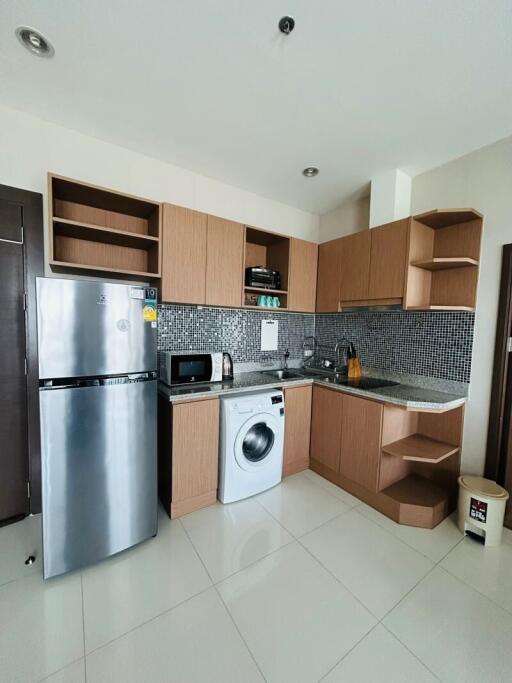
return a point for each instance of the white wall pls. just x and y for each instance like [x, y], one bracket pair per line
[30, 147]
[482, 180]
[351, 216]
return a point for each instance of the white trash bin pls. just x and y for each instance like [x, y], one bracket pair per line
[481, 508]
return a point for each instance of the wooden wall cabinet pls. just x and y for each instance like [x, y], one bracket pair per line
[224, 262]
[328, 277]
[297, 428]
[183, 255]
[355, 267]
[302, 275]
[388, 257]
[202, 258]
[188, 455]
[326, 418]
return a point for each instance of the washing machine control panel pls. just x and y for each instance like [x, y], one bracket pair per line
[276, 399]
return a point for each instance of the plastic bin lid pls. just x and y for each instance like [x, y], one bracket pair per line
[484, 487]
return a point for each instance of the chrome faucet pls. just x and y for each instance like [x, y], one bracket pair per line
[286, 355]
[340, 368]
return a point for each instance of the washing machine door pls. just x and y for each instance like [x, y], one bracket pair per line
[256, 441]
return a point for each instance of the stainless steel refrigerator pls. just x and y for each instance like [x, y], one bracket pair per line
[98, 400]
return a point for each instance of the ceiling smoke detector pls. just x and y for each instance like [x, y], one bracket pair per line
[286, 25]
[310, 172]
[34, 41]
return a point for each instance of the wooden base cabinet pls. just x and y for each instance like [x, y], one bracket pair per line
[297, 428]
[403, 463]
[326, 427]
[188, 455]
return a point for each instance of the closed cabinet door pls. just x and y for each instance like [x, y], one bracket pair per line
[183, 255]
[297, 428]
[326, 427]
[224, 262]
[195, 449]
[328, 280]
[302, 278]
[387, 260]
[361, 427]
[355, 267]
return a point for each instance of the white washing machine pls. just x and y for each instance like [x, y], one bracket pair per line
[251, 444]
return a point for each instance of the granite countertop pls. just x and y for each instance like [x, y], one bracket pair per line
[403, 395]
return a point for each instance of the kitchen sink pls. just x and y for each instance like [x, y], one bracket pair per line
[282, 374]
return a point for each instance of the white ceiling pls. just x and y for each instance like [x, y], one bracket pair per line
[361, 86]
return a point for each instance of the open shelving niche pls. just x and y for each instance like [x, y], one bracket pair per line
[99, 231]
[420, 463]
[443, 260]
[270, 250]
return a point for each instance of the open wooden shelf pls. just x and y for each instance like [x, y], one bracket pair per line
[97, 233]
[440, 263]
[101, 231]
[417, 491]
[266, 308]
[264, 290]
[443, 260]
[419, 448]
[443, 218]
[440, 308]
[127, 274]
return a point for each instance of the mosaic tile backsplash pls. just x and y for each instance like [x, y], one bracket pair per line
[434, 344]
[238, 331]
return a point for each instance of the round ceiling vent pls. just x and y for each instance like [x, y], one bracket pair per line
[34, 41]
[310, 172]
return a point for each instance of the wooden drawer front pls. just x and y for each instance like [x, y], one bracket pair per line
[224, 262]
[326, 427]
[297, 402]
[195, 449]
[361, 427]
[387, 260]
[302, 279]
[355, 267]
[328, 280]
[183, 255]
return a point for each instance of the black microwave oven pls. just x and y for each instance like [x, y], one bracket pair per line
[259, 276]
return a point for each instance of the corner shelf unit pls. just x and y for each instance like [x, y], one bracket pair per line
[99, 231]
[443, 260]
[420, 464]
[270, 250]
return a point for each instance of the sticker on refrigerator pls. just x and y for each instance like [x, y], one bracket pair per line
[478, 510]
[136, 293]
[149, 309]
[149, 313]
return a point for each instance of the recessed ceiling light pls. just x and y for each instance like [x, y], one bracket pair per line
[286, 25]
[310, 172]
[34, 41]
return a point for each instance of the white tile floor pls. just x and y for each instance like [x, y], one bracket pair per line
[301, 583]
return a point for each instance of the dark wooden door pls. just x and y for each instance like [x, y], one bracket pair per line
[14, 464]
[498, 465]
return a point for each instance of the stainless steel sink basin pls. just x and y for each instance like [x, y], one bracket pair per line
[282, 374]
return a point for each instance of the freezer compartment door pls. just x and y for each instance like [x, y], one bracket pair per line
[94, 328]
[99, 472]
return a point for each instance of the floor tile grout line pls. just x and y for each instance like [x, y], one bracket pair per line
[253, 657]
[83, 624]
[397, 538]
[215, 587]
[463, 581]
[62, 668]
[196, 551]
[148, 621]
[417, 657]
[348, 652]
[337, 580]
